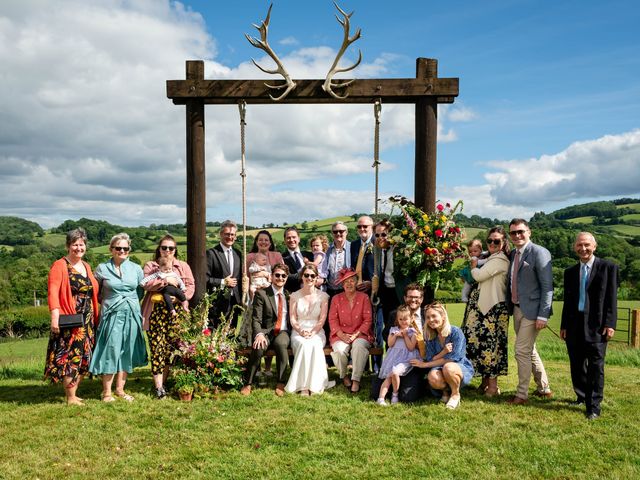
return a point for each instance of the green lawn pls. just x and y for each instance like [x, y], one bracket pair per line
[336, 435]
[629, 230]
[635, 217]
[581, 220]
[634, 206]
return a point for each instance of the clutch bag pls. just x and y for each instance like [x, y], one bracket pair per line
[71, 321]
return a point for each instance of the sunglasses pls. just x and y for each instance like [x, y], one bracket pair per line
[309, 275]
[339, 232]
[166, 247]
[383, 235]
[280, 275]
[513, 233]
[361, 227]
[121, 249]
[493, 241]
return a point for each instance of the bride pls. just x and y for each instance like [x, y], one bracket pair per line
[308, 312]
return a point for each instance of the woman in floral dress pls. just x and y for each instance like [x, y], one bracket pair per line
[72, 289]
[486, 316]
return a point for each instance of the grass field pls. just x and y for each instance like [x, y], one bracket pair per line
[628, 230]
[634, 206]
[336, 435]
[581, 220]
[635, 217]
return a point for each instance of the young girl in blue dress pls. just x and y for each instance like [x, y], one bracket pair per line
[402, 342]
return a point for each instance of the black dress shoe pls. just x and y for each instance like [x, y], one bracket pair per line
[593, 416]
[576, 403]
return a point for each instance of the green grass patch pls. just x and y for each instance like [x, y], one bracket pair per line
[634, 206]
[54, 239]
[582, 220]
[629, 230]
[631, 217]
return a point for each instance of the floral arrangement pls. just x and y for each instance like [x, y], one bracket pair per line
[206, 359]
[426, 243]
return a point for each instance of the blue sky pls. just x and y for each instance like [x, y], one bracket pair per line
[548, 113]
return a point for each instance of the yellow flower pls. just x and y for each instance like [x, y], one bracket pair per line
[425, 217]
[435, 224]
[427, 228]
[445, 245]
[405, 232]
[443, 218]
[420, 233]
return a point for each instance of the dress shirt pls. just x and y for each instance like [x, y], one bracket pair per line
[276, 292]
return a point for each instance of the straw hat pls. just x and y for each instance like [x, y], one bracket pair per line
[346, 273]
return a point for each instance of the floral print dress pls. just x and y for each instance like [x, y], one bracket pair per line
[69, 352]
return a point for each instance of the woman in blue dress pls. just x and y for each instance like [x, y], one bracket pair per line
[446, 346]
[120, 345]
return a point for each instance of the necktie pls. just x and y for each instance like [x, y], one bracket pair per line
[278, 326]
[363, 247]
[296, 257]
[514, 278]
[584, 278]
[230, 261]
[384, 265]
[422, 348]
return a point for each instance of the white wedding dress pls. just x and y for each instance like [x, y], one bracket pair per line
[309, 370]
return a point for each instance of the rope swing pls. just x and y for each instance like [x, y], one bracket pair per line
[377, 110]
[242, 108]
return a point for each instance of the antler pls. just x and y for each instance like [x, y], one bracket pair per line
[262, 44]
[328, 84]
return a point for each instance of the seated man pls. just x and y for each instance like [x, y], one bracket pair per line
[270, 317]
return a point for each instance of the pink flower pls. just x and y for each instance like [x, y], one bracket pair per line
[439, 233]
[206, 332]
[440, 207]
[220, 359]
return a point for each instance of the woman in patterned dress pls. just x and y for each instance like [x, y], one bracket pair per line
[120, 345]
[158, 321]
[72, 289]
[486, 316]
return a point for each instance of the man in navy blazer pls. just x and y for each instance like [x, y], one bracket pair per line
[224, 270]
[589, 317]
[294, 258]
[529, 300]
[363, 244]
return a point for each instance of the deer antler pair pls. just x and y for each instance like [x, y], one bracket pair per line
[328, 84]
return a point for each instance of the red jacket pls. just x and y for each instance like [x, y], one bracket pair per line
[59, 289]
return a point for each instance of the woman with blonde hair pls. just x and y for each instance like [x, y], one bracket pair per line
[120, 345]
[449, 368]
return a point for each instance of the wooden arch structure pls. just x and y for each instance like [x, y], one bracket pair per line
[425, 91]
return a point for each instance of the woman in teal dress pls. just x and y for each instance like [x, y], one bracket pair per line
[120, 345]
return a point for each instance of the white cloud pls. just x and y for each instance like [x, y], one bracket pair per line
[86, 128]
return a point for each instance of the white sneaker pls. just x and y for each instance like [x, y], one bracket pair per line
[453, 402]
[382, 402]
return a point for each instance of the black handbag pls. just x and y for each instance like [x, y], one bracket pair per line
[70, 321]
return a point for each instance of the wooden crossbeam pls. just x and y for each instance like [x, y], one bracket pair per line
[395, 90]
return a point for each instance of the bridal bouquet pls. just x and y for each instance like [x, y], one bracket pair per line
[426, 243]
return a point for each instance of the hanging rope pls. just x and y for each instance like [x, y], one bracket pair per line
[377, 110]
[242, 107]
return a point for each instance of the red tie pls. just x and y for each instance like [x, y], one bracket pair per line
[278, 326]
[514, 278]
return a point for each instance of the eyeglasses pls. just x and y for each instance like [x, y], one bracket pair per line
[309, 275]
[414, 298]
[280, 275]
[121, 249]
[361, 227]
[514, 233]
[493, 241]
[339, 232]
[383, 235]
[167, 247]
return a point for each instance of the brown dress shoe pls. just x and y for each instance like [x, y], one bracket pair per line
[280, 389]
[246, 390]
[516, 401]
[547, 394]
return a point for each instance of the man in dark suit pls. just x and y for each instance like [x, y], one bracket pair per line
[294, 258]
[362, 254]
[224, 270]
[529, 299]
[589, 317]
[271, 326]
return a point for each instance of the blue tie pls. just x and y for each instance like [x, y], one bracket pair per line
[584, 278]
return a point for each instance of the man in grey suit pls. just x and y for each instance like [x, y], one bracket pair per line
[271, 326]
[529, 298]
[224, 270]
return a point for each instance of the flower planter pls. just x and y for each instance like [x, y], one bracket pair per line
[186, 396]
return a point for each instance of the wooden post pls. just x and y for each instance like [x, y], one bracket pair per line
[196, 185]
[426, 139]
[635, 328]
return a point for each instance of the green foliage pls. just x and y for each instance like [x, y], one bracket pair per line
[25, 322]
[18, 231]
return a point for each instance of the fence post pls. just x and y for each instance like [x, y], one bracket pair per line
[635, 328]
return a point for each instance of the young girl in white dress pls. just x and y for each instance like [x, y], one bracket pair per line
[308, 312]
[402, 342]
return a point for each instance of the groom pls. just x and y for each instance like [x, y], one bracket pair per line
[271, 326]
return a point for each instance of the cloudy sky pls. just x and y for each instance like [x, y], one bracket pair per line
[548, 113]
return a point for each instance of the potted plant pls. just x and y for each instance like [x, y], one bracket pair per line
[185, 383]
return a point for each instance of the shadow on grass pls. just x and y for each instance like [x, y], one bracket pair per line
[46, 392]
